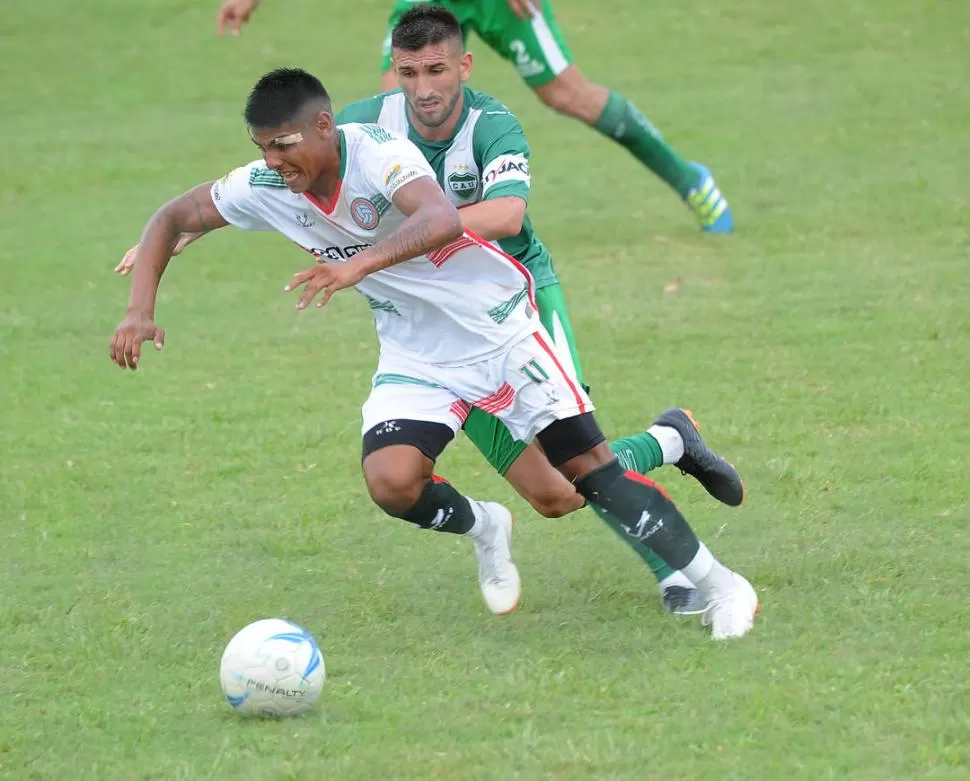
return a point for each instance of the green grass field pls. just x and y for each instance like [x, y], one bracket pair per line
[145, 518]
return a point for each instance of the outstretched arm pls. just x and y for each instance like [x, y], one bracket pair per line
[192, 212]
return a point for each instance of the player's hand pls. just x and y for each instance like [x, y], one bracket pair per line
[128, 336]
[233, 14]
[128, 261]
[328, 277]
[521, 8]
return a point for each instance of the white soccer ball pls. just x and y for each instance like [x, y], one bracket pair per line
[272, 668]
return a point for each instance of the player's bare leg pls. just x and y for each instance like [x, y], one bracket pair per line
[570, 93]
[542, 485]
[401, 481]
[573, 95]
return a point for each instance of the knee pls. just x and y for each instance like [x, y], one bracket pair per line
[395, 491]
[555, 501]
[563, 98]
[573, 96]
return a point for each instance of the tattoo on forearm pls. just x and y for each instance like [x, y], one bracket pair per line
[408, 242]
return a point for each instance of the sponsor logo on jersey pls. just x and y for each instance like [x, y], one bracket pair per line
[506, 168]
[304, 220]
[336, 253]
[365, 213]
[397, 176]
[393, 173]
[462, 182]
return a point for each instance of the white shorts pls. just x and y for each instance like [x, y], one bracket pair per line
[527, 387]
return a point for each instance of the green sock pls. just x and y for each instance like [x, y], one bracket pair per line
[660, 568]
[639, 453]
[623, 122]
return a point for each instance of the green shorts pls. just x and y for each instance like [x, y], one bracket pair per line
[488, 433]
[534, 46]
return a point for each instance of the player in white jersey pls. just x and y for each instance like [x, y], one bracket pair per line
[366, 203]
[458, 304]
[480, 156]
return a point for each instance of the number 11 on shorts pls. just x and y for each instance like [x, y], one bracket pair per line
[534, 372]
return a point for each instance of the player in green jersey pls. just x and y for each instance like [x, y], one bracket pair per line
[481, 158]
[525, 33]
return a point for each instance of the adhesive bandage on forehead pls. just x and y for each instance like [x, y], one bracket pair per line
[280, 141]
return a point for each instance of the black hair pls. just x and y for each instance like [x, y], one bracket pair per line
[281, 96]
[425, 25]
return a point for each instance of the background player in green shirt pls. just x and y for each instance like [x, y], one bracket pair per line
[481, 158]
[525, 33]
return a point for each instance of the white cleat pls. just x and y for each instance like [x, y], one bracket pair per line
[497, 573]
[731, 612]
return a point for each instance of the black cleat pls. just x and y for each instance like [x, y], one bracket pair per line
[719, 478]
[684, 601]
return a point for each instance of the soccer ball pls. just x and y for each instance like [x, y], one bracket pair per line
[272, 668]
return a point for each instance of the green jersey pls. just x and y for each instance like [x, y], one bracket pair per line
[487, 156]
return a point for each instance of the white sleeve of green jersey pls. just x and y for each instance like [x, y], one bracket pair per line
[502, 153]
[235, 198]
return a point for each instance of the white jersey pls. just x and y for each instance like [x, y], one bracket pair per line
[461, 303]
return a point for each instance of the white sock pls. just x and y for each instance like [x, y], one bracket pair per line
[708, 574]
[480, 521]
[670, 441]
[677, 579]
